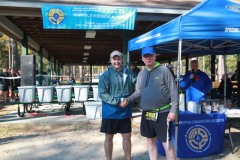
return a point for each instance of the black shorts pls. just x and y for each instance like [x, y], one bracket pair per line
[151, 129]
[113, 126]
[13, 88]
[3, 88]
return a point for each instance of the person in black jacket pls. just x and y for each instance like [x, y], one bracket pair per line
[135, 69]
[229, 87]
[13, 84]
[4, 84]
[234, 76]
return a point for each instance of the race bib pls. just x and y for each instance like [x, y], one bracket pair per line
[151, 116]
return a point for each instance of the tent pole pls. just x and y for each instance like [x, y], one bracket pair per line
[128, 60]
[179, 66]
[238, 80]
[179, 62]
[225, 79]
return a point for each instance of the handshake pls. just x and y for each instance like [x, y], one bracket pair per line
[123, 102]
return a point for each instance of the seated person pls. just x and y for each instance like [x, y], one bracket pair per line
[13, 84]
[135, 69]
[234, 76]
[61, 80]
[229, 86]
[71, 81]
[55, 81]
[44, 79]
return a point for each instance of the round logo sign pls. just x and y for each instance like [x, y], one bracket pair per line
[56, 16]
[198, 138]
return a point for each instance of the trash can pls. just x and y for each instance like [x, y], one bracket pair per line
[64, 93]
[93, 109]
[81, 92]
[27, 94]
[95, 93]
[45, 93]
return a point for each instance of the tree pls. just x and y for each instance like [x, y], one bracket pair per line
[3, 50]
[15, 56]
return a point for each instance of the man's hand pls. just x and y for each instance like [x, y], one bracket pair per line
[123, 102]
[171, 117]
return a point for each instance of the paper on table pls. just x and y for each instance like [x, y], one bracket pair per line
[233, 111]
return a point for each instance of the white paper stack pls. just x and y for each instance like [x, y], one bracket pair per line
[193, 107]
[181, 102]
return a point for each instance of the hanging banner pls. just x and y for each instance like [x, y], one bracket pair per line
[87, 17]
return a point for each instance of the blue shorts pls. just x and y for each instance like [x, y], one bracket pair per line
[113, 126]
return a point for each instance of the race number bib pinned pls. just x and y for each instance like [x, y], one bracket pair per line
[151, 116]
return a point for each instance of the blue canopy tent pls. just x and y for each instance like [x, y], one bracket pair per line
[209, 21]
[211, 27]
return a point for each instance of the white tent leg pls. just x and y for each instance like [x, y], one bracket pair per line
[128, 60]
[178, 85]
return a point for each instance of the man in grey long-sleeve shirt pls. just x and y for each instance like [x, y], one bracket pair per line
[159, 102]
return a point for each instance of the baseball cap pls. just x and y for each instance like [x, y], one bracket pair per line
[170, 66]
[147, 50]
[115, 53]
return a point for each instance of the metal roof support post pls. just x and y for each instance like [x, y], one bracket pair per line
[69, 71]
[187, 63]
[91, 73]
[59, 68]
[125, 48]
[51, 67]
[54, 66]
[40, 66]
[49, 73]
[213, 67]
[25, 44]
[225, 79]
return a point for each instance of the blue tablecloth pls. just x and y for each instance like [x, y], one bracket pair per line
[199, 135]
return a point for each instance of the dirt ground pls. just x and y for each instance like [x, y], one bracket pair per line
[74, 140]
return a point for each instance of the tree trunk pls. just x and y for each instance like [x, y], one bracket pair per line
[69, 72]
[81, 74]
[16, 59]
[221, 67]
[74, 72]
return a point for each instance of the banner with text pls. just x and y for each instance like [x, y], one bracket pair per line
[88, 17]
[199, 135]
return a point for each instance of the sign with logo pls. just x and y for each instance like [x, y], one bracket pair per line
[88, 17]
[198, 138]
[199, 135]
[202, 133]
